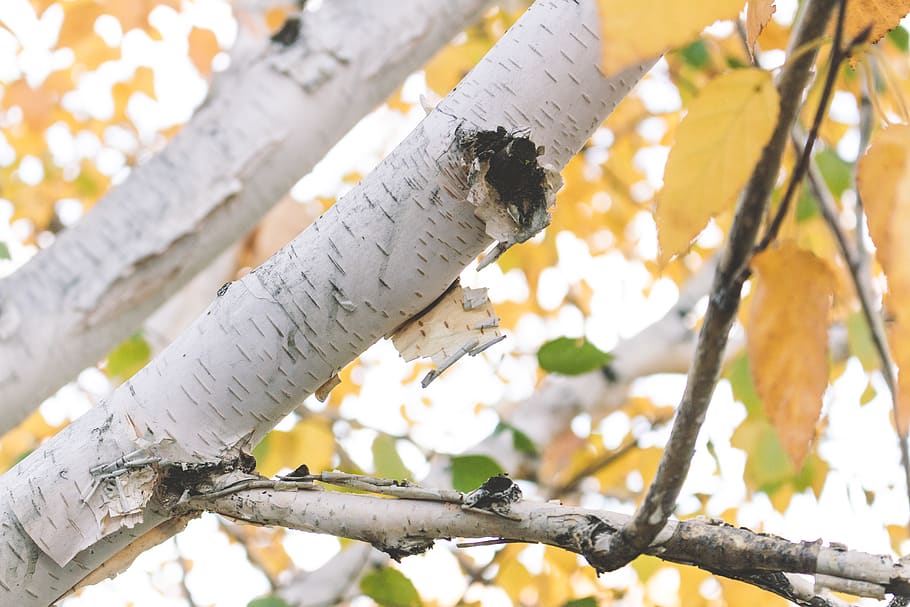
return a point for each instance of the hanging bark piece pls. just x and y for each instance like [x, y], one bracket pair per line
[461, 321]
[509, 188]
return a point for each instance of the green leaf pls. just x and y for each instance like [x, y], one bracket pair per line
[740, 377]
[900, 38]
[390, 588]
[696, 54]
[806, 206]
[859, 341]
[268, 601]
[835, 171]
[386, 460]
[571, 356]
[4, 250]
[588, 601]
[128, 357]
[520, 441]
[471, 471]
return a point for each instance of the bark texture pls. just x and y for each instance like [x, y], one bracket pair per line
[266, 123]
[379, 256]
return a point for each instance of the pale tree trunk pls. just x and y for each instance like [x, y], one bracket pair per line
[266, 123]
[380, 255]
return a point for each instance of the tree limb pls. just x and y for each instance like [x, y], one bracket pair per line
[725, 297]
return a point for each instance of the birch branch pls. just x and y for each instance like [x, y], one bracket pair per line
[410, 526]
[266, 122]
[380, 256]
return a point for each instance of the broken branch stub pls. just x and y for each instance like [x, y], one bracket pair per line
[510, 190]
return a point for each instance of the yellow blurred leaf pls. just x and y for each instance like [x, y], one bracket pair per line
[787, 341]
[78, 21]
[203, 48]
[757, 16]
[19, 441]
[717, 146]
[884, 184]
[310, 442]
[512, 576]
[740, 593]
[634, 31]
[36, 103]
[613, 477]
[882, 15]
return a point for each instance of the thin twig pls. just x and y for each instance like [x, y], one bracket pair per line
[603, 461]
[858, 263]
[233, 530]
[184, 570]
[838, 55]
[724, 301]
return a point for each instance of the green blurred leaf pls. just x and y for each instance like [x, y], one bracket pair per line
[390, 588]
[835, 171]
[859, 341]
[127, 358]
[900, 38]
[571, 356]
[471, 471]
[268, 601]
[4, 250]
[767, 464]
[520, 441]
[588, 601]
[696, 54]
[740, 377]
[386, 459]
[806, 207]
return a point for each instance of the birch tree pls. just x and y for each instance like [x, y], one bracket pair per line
[481, 170]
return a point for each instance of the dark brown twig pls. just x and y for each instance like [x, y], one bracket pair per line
[724, 300]
[838, 55]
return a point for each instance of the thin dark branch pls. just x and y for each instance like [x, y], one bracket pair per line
[725, 297]
[838, 55]
[602, 462]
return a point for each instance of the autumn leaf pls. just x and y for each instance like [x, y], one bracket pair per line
[787, 341]
[717, 146]
[882, 15]
[757, 16]
[310, 442]
[631, 32]
[203, 48]
[884, 185]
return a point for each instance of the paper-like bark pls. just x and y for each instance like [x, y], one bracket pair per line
[380, 255]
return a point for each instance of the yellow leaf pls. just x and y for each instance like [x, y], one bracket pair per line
[634, 31]
[203, 48]
[512, 576]
[740, 593]
[78, 22]
[717, 146]
[310, 442]
[884, 184]
[882, 15]
[757, 16]
[787, 341]
[36, 103]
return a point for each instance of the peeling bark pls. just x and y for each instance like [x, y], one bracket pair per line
[390, 247]
[266, 123]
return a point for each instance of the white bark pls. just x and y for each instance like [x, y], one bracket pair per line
[412, 525]
[266, 123]
[379, 256]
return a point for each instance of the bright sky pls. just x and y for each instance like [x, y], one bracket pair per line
[859, 442]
